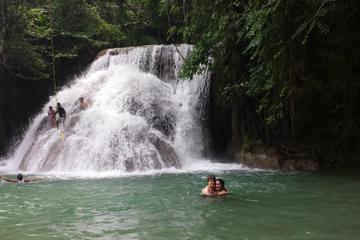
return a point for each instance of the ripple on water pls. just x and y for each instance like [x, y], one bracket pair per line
[260, 206]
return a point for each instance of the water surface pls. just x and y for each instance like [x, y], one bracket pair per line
[262, 205]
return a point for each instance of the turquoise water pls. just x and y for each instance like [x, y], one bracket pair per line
[263, 205]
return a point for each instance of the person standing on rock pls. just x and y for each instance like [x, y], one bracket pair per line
[61, 116]
[51, 117]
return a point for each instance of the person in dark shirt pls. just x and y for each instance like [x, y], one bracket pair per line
[60, 116]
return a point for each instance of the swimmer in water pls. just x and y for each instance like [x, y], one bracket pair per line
[19, 179]
[82, 104]
[220, 189]
[209, 190]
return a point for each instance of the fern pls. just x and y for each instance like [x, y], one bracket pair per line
[315, 20]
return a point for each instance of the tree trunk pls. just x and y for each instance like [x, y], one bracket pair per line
[2, 31]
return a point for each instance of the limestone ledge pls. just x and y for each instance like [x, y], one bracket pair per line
[265, 157]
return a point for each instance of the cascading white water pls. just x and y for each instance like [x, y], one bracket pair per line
[141, 116]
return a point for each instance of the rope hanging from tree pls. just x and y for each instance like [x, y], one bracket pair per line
[52, 48]
[51, 7]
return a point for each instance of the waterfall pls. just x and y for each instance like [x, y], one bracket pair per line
[140, 116]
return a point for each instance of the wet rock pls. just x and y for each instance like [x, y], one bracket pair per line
[166, 151]
[142, 163]
[148, 161]
[44, 125]
[157, 117]
[260, 157]
[163, 121]
[300, 165]
[266, 157]
[72, 121]
[129, 165]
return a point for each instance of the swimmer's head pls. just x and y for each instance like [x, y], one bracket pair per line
[219, 184]
[211, 181]
[19, 177]
[211, 177]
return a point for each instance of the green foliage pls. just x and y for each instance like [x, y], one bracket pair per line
[79, 26]
[146, 22]
[89, 29]
[267, 51]
[38, 23]
[211, 27]
[74, 26]
[315, 19]
[23, 54]
[295, 59]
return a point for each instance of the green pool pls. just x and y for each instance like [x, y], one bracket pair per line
[262, 205]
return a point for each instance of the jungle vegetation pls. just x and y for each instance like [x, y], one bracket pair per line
[286, 72]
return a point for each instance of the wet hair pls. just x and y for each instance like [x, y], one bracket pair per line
[20, 177]
[222, 182]
[211, 177]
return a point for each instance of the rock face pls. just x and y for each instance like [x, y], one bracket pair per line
[135, 122]
[164, 157]
[161, 119]
[160, 62]
[4, 136]
[260, 157]
[19, 99]
[166, 151]
[234, 125]
[265, 157]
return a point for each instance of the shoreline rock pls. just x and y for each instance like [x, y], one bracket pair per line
[267, 157]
